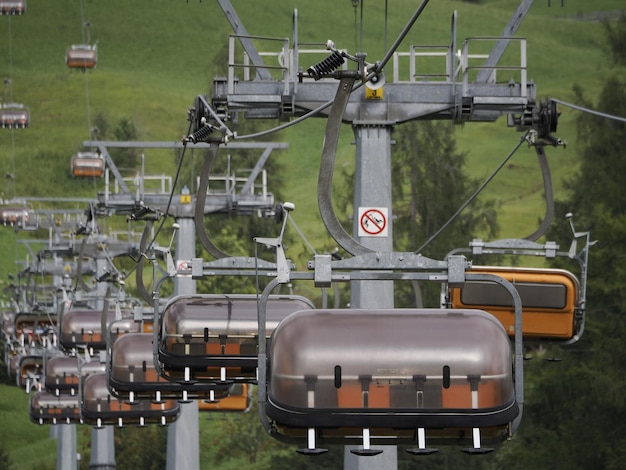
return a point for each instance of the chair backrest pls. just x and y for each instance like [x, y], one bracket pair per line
[550, 300]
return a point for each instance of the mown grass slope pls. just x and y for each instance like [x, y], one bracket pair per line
[153, 61]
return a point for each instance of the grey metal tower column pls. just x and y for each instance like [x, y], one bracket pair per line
[65, 433]
[183, 436]
[66, 446]
[102, 449]
[372, 189]
[102, 440]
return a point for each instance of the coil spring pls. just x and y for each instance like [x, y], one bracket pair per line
[326, 66]
[201, 134]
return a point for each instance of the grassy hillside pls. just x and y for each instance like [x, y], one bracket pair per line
[153, 61]
[155, 57]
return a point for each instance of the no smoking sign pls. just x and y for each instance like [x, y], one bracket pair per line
[373, 222]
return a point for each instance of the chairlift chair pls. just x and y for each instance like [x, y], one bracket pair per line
[239, 399]
[63, 373]
[82, 327]
[551, 308]
[394, 374]
[14, 116]
[12, 7]
[85, 164]
[126, 325]
[133, 376]
[81, 56]
[30, 370]
[215, 337]
[50, 408]
[14, 216]
[34, 323]
[100, 408]
[13, 364]
[8, 325]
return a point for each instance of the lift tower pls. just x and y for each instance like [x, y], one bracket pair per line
[272, 84]
[136, 202]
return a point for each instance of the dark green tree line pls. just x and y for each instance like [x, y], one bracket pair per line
[575, 414]
[429, 187]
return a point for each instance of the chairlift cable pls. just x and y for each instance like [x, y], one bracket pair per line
[474, 195]
[361, 30]
[304, 238]
[389, 54]
[386, 22]
[13, 178]
[549, 196]
[109, 258]
[323, 106]
[356, 24]
[84, 29]
[143, 246]
[10, 61]
[590, 111]
[9, 85]
[82, 20]
[87, 100]
[171, 196]
[308, 115]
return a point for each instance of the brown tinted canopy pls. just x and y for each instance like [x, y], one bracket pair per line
[12, 7]
[87, 164]
[100, 408]
[63, 373]
[398, 368]
[14, 115]
[206, 336]
[83, 327]
[49, 408]
[81, 56]
[132, 374]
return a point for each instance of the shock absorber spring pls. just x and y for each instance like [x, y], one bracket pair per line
[326, 66]
[201, 134]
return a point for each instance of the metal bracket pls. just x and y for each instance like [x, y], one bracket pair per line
[514, 246]
[455, 266]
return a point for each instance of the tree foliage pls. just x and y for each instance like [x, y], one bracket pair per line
[241, 437]
[616, 36]
[141, 447]
[124, 131]
[575, 414]
[429, 186]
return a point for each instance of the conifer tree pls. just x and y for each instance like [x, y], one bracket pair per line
[575, 413]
